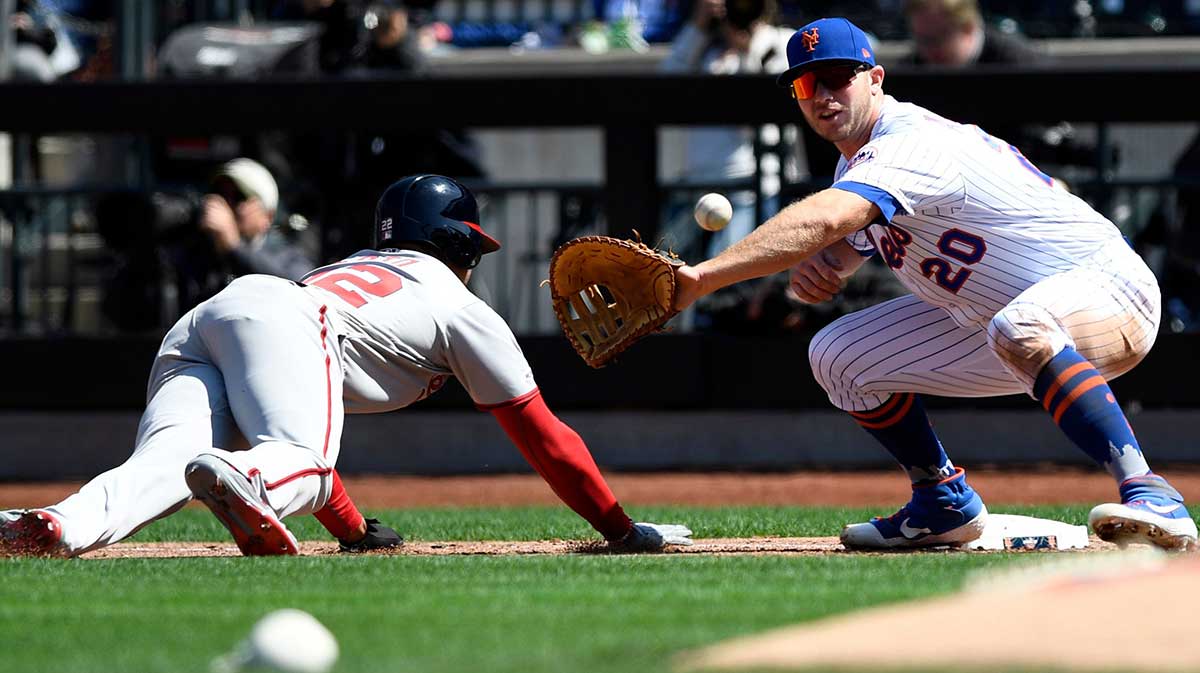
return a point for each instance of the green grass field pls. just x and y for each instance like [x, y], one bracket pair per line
[468, 613]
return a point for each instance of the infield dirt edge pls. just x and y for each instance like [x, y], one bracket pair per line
[776, 546]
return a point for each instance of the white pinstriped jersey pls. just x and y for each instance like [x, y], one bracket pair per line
[405, 323]
[968, 222]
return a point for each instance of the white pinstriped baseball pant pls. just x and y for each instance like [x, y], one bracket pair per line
[1108, 310]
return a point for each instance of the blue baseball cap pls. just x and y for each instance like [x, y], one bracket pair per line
[825, 41]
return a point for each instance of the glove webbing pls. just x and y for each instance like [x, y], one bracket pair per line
[599, 317]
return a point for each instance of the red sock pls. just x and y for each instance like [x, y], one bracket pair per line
[340, 516]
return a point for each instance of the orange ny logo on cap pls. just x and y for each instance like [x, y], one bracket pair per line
[810, 39]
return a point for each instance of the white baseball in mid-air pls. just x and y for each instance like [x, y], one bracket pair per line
[713, 212]
[288, 641]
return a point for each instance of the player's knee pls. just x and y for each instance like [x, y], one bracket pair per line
[1026, 336]
[823, 350]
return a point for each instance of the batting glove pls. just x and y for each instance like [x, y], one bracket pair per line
[378, 536]
[653, 537]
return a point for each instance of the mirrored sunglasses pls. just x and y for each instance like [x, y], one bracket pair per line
[835, 78]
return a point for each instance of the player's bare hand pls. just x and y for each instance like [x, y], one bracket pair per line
[218, 221]
[253, 219]
[687, 287]
[815, 279]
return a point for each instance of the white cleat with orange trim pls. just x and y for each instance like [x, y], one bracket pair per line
[229, 494]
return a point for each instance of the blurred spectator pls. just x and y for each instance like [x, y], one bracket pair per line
[341, 21]
[389, 48]
[633, 24]
[89, 26]
[229, 233]
[663, 19]
[100, 64]
[33, 42]
[363, 33]
[725, 37]
[390, 43]
[952, 33]
[367, 39]
[308, 166]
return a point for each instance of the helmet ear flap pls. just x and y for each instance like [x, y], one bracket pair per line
[456, 247]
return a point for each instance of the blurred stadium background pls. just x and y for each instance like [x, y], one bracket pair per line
[556, 113]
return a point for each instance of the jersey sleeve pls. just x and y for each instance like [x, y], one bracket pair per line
[905, 175]
[861, 242]
[484, 355]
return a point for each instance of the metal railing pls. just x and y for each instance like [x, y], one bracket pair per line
[52, 260]
[57, 274]
[46, 253]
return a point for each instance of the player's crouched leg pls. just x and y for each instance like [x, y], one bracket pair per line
[1024, 337]
[1046, 354]
[241, 504]
[252, 491]
[944, 509]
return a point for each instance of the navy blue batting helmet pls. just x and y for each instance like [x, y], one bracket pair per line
[435, 211]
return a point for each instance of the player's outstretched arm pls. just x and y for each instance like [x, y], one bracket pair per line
[559, 455]
[792, 235]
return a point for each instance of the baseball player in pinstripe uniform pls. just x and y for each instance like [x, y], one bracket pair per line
[248, 390]
[1016, 286]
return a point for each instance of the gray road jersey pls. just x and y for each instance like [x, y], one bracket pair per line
[406, 323]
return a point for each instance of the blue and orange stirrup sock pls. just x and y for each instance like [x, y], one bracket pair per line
[900, 424]
[1083, 406]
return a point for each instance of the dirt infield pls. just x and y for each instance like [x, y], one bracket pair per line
[775, 546]
[1076, 617]
[1038, 485]
[884, 489]
[800, 546]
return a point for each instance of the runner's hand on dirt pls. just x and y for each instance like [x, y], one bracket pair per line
[378, 536]
[653, 537]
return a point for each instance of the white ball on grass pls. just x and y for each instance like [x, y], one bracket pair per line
[287, 640]
[713, 212]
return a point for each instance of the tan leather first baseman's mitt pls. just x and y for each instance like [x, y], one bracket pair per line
[609, 292]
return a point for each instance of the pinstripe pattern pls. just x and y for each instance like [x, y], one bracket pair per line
[1026, 270]
[1112, 320]
[904, 345]
[951, 176]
